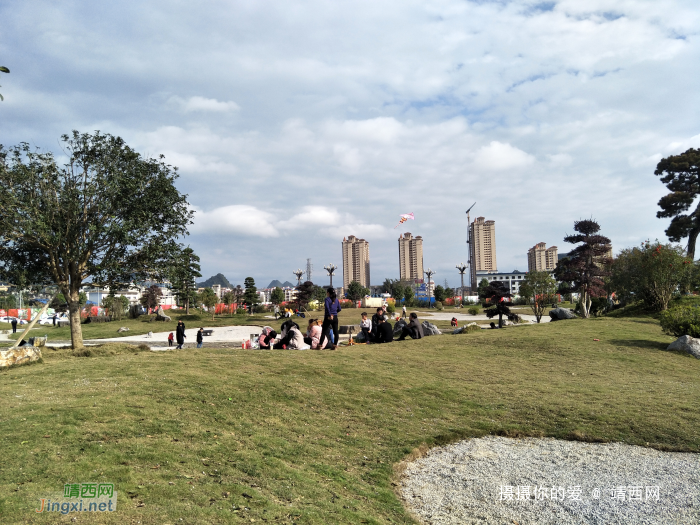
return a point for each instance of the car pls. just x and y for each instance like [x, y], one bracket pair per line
[8, 319]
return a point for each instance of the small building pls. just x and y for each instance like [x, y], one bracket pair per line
[512, 279]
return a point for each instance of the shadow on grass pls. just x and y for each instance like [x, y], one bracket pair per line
[639, 343]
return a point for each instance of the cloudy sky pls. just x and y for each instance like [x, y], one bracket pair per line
[295, 124]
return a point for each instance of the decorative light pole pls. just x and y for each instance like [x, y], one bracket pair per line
[299, 272]
[429, 273]
[462, 268]
[330, 269]
[472, 272]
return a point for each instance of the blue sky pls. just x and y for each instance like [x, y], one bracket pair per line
[296, 124]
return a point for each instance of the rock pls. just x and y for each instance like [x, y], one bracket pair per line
[430, 329]
[123, 329]
[561, 313]
[20, 355]
[686, 344]
[399, 326]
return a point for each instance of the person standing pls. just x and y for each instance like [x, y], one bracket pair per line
[54, 319]
[330, 318]
[180, 335]
[200, 337]
[14, 325]
[403, 312]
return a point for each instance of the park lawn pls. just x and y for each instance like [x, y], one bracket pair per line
[222, 436]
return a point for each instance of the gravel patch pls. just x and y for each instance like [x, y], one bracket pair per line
[547, 481]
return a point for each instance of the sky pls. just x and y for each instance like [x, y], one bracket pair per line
[295, 124]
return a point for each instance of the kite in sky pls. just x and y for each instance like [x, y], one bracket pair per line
[404, 218]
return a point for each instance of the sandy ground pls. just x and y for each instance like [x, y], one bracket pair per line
[220, 334]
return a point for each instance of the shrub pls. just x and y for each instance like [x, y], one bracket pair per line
[471, 328]
[391, 308]
[438, 305]
[473, 310]
[241, 311]
[684, 320]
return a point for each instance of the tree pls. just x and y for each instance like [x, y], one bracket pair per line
[319, 293]
[305, 293]
[184, 271]
[356, 291]
[408, 295]
[388, 286]
[540, 289]
[497, 292]
[439, 293]
[59, 303]
[3, 69]
[681, 175]
[229, 297]
[250, 296]
[277, 295]
[108, 214]
[117, 306]
[481, 289]
[151, 297]
[238, 293]
[209, 299]
[651, 273]
[587, 264]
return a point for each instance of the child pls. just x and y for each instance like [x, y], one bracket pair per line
[454, 322]
[267, 340]
[366, 326]
[171, 337]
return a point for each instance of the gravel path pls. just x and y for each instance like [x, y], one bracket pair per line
[494, 480]
[446, 316]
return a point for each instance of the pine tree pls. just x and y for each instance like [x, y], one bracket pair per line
[183, 274]
[250, 297]
[497, 292]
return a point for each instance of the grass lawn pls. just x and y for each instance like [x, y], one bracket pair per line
[227, 436]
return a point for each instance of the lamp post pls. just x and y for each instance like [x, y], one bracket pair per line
[429, 273]
[462, 268]
[472, 273]
[298, 272]
[330, 269]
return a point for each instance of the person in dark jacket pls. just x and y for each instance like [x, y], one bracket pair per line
[180, 334]
[330, 318]
[14, 325]
[200, 337]
[414, 328]
[375, 322]
[385, 334]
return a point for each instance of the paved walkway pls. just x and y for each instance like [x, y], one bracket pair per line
[446, 316]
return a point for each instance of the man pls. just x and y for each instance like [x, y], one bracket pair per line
[180, 335]
[200, 337]
[385, 334]
[375, 321]
[414, 328]
[14, 325]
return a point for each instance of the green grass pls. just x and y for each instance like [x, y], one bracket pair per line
[314, 436]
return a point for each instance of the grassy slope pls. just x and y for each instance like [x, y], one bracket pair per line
[313, 436]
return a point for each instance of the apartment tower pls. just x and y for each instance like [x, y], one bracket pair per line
[482, 235]
[355, 261]
[410, 257]
[542, 259]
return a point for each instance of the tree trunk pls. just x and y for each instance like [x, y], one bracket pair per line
[585, 304]
[76, 330]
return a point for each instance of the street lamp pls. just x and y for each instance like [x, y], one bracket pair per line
[429, 273]
[462, 268]
[472, 272]
[298, 272]
[330, 269]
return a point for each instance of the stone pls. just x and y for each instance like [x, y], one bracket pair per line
[430, 329]
[20, 355]
[561, 313]
[399, 326]
[687, 344]
[123, 329]
[458, 330]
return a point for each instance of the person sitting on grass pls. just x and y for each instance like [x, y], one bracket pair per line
[285, 336]
[385, 334]
[267, 339]
[366, 327]
[414, 328]
[375, 321]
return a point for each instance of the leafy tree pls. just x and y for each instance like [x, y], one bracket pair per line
[356, 291]
[58, 303]
[3, 69]
[481, 289]
[277, 295]
[408, 295]
[586, 266]
[681, 175]
[108, 214]
[229, 297]
[398, 291]
[184, 271]
[497, 292]
[388, 286]
[117, 306]
[651, 273]
[238, 294]
[250, 296]
[540, 289]
[151, 297]
[8, 301]
[439, 293]
[305, 293]
[209, 299]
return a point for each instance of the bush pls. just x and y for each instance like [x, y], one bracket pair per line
[471, 328]
[259, 309]
[391, 308]
[241, 311]
[684, 320]
[473, 310]
[438, 305]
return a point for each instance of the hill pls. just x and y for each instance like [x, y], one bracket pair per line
[219, 278]
[276, 283]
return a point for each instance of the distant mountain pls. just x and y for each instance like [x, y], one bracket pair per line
[219, 278]
[276, 283]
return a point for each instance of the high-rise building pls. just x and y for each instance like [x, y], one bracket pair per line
[355, 261]
[542, 259]
[482, 236]
[410, 257]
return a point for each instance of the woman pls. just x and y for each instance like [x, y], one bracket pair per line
[330, 318]
[180, 335]
[308, 338]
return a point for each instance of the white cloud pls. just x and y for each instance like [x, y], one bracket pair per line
[198, 103]
[499, 156]
[235, 219]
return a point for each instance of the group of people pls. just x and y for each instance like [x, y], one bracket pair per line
[379, 329]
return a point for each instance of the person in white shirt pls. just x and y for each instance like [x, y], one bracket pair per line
[366, 327]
